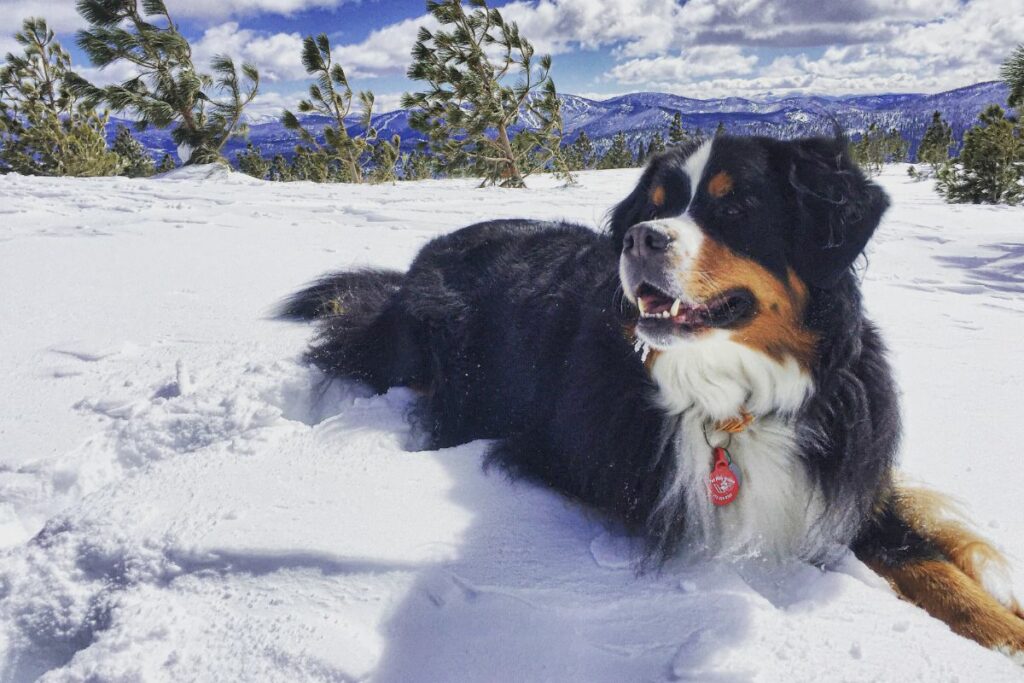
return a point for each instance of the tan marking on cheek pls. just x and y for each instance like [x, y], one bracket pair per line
[720, 185]
[777, 326]
[658, 195]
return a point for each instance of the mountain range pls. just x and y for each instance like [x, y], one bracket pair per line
[642, 115]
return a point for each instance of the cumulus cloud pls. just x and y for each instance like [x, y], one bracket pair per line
[62, 16]
[118, 72]
[905, 46]
[385, 51]
[700, 47]
[278, 56]
[694, 63]
[713, 45]
[219, 9]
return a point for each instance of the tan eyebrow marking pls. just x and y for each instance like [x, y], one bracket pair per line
[720, 185]
[658, 195]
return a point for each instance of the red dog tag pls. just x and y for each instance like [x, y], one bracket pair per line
[723, 484]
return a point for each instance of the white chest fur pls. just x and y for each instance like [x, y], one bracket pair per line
[778, 508]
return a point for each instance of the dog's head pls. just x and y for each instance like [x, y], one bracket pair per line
[725, 239]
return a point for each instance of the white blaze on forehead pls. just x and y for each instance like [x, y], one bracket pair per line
[695, 164]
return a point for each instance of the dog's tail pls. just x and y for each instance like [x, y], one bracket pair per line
[922, 545]
[363, 332]
[357, 293]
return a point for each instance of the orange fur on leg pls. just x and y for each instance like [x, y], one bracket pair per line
[939, 519]
[948, 594]
[963, 580]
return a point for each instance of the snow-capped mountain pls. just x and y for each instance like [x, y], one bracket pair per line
[641, 115]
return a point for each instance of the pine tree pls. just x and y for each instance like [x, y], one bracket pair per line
[251, 162]
[895, 147]
[166, 164]
[990, 168]
[280, 170]
[44, 130]
[618, 154]
[870, 150]
[134, 160]
[1012, 72]
[936, 143]
[676, 134]
[168, 88]
[332, 97]
[416, 166]
[579, 155]
[317, 166]
[720, 129]
[469, 108]
[656, 147]
[384, 160]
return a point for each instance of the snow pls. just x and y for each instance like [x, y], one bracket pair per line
[182, 499]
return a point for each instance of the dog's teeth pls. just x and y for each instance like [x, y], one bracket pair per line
[675, 307]
[640, 305]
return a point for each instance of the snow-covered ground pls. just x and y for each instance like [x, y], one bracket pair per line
[181, 499]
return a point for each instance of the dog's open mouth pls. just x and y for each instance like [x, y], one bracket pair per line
[658, 309]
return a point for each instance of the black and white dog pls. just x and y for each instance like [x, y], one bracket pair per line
[703, 372]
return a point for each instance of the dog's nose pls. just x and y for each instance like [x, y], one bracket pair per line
[643, 240]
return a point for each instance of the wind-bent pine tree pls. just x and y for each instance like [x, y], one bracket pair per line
[168, 89]
[340, 154]
[1012, 72]
[676, 133]
[481, 82]
[990, 168]
[936, 143]
[44, 129]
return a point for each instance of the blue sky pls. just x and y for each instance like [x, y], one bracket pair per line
[602, 48]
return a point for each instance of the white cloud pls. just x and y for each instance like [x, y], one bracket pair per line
[220, 9]
[385, 51]
[385, 102]
[118, 72]
[952, 47]
[278, 56]
[694, 63]
[60, 15]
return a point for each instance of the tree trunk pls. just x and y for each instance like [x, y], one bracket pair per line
[515, 179]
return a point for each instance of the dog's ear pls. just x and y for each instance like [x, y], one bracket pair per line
[836, 207]
[632, 210]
